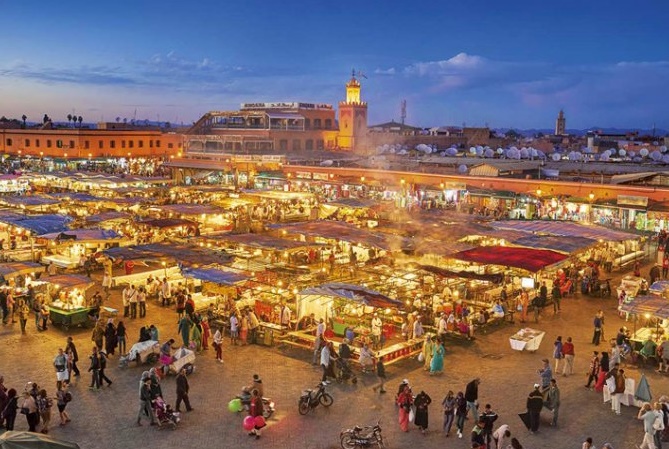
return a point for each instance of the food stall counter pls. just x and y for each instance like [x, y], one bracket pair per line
[71, 317]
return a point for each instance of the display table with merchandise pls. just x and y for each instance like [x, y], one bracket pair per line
[628, 396]
[526, 339]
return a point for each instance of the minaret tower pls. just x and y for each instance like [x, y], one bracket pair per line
[352, 116]
[561, 124]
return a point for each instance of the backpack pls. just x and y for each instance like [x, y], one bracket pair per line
[658, 424]
[68, 397]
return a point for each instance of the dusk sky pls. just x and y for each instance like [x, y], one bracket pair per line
[505, 64]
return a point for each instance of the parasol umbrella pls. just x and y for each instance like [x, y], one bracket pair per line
[642, 392]
[32, 440]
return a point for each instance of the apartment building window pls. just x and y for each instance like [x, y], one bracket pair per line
[150, 143]
[87, 144]
[9, 142]
[309, 144]
[170, 145]
[320, 144]
[100, 144]
[157, 143]
[112, 144]
[283, 145]
[37, 143]
[297, 145]
[48, 143]
[317, 123]
[59, 143]
[131, 144]
[328, 123]
[71, 143]
[27, 142]
[307, 123]
[123, 144]
[140, 144]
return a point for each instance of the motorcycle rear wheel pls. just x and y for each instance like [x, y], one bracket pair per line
[303, 407]
[326, 400]
[347, 441]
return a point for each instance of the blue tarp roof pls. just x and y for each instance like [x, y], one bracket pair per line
[354, 293]
[81, 197]
[555, 243]
[16, 268]
[215, 275]
[68, 281]
[83, 234]
[564, 228]
[658, 287]
[655, 305]
[29, 200]
[188, 254]
[38, 224]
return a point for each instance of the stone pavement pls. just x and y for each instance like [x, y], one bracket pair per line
[107, 418]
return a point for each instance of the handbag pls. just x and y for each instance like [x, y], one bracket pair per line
[412, 414]
[25, 410]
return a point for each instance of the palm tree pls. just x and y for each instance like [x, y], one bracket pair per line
[118, 119]
[24, 118]
[69, 119]
[80, 119]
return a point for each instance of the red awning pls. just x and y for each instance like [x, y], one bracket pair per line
[528, 259]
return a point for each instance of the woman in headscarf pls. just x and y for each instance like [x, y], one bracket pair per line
[404, 400]
[111, 339]
[437, 365]
[428, 350]
[422, 401]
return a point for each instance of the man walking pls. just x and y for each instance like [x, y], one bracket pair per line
[71, 349]
[546, 374]
[472, 397]
[145, 404]
[182, 391]
[553, 401]
[94, 369]
[648, 416]
[597, 334]
[103, 364]
[488, 417]
[568, 353]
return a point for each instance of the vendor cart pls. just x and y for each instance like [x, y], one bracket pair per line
[182, 357]
[142, 352]
[67, 318]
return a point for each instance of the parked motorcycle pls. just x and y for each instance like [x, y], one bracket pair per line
[311, 398]
[267, 404]
[360, 437]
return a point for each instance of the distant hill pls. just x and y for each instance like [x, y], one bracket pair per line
[659, 132]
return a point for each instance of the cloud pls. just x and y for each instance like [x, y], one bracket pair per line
[390, 71]
[96, 75]
[160, 70]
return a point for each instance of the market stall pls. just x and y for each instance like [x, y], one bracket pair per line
[17, 272]
[69, 306]
[650, 316]
[68, 249]
[218, 285]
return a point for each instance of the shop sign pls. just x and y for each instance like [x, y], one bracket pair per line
[303, 174]
[285, 105]
[631, 200]
[321, 176]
